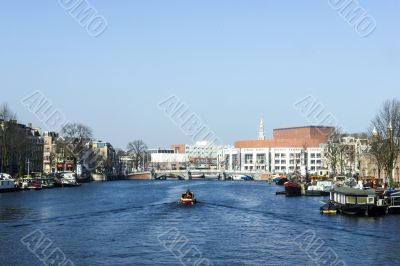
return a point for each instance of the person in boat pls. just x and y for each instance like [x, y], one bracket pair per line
[188, 195]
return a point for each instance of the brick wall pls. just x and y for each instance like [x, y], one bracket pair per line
[309, 137]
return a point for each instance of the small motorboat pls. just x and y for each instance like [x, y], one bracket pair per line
[188, 198]
[329, 209]
[35, 185]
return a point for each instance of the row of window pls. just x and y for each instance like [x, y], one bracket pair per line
[291, 168]
[283, 155]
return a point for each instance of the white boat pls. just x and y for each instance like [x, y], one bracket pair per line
[322, 188]
[241, 178]
[68, 179]
[99, 177]
[7, 183]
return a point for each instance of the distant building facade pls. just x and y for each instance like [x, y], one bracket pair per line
[201, 155]
[105, 159]
[291, 150]
[50, 152]
[349, 159]
[21, 148]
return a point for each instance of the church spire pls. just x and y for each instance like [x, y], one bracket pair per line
[261, 131]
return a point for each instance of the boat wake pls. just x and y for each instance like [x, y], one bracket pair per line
[287, 217]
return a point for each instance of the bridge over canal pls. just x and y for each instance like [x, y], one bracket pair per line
[198, 174]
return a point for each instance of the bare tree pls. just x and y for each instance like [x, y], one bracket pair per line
[75, 137]
[138, 150]
[386, 132]
[333, 151]
[7, 138]
[6, 114]
[121, 153]
[377, 151]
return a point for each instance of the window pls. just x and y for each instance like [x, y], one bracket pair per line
[261, 158]
[312, 161]
[248, 158]
[362, 200]
[291, 162]
[283, 155]
[283, 162]
[277, 155]
[351, 200]
[277, 162]
[313, 155]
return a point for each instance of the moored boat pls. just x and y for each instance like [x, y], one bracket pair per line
[7, 183]
[241, 178]
[35, 185]
[197, 176]
[47, 182]
[322, 188]
[188, 198]
[329, 209]
[31, 184]
[361, 202]
[292, 189]
[394, 202]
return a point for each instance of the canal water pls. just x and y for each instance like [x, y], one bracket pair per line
[140, 223]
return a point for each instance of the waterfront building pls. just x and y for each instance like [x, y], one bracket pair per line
[202, 155]
[50, 152]
[297, 149]
[105, 158]
[21, 148]
[168, 159]
[350, 152]
[56, 156]
[163, 151]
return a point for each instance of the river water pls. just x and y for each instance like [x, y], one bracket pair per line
[140, 223]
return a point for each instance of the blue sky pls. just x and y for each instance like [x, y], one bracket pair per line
[230, 61]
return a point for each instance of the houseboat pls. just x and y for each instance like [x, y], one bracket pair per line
[354, 201]
[394, 202]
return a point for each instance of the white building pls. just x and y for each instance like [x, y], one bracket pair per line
[291, 150]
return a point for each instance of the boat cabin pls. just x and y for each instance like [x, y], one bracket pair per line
[344, 196]
[394, 202]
